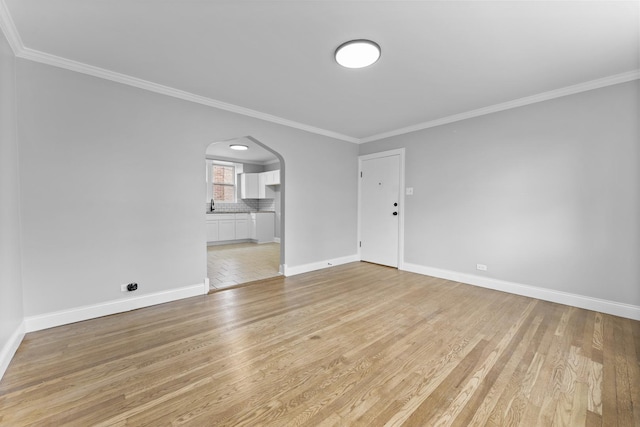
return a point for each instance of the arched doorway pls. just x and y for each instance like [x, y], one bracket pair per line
[245, 215]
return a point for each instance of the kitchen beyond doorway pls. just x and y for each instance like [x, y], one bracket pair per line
[235, 264]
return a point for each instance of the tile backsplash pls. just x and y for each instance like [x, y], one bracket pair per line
[244, 205]
[266, 205]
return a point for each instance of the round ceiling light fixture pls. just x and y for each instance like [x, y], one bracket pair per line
[357, 53]
[238, 147]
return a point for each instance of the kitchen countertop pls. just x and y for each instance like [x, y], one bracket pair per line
[237, 212]
[226, 212]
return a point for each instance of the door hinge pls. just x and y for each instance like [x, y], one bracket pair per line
[361, 243]
[360, 174]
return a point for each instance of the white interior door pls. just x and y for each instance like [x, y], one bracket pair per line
[379, 204]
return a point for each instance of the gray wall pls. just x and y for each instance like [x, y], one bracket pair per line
[252, 168]
[546, 195]
[272, 166]
[10, 263]
[112, 188]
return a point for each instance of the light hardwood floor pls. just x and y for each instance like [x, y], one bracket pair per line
[354, 345]
[230, 265]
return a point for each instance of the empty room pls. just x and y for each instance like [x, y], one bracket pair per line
[319, 213]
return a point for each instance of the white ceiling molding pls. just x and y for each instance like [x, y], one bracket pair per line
[13, 37]
[236, 160]
[545, 96]
[9, 29]
[56, 61]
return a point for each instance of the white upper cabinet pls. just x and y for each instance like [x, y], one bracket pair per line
[272, 177]
[249, 188]
[257, 185]
[262, 185]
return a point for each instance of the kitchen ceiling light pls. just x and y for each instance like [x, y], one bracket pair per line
[357, 53]
[238, 147]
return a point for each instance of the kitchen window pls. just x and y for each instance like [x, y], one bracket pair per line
[224, 183]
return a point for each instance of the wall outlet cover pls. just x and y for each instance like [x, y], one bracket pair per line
[129, 287]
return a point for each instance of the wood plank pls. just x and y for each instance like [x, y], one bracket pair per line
[594, 395]
[623, 388]
[357, 345]
[633, 365]
[593, 420]
[508, 346]
[498, 394]
[609, 392]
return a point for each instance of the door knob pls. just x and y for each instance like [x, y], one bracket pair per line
[395, 213]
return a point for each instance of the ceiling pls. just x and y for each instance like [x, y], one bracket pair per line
[274, 59]
[255, 153]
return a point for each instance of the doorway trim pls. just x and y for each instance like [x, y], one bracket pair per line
[401, 191]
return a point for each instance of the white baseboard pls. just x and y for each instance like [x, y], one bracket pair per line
[276, 240]
[305, 268]
[230, 242]
[10, 347]
[596, 304]
[57, 318]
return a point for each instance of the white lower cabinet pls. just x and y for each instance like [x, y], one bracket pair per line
[228, 227]
[242, 227]
[252, 227]
[212, 231]
[263, 227]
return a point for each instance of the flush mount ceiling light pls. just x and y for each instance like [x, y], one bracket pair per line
[238, 147]
[357, 53]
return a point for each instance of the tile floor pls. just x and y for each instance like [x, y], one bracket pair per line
[230, 265]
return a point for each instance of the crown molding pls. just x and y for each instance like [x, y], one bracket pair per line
[56, 61]
[19, 50]
[243, 161]
[544, 96]
[11, 33]
[9, 29]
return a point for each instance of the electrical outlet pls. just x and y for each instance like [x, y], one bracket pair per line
[481, 267]
[409, 191]
[129, 287]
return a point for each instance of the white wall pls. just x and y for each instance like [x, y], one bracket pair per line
[11, 311]
[112, 188]
[546, 195]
